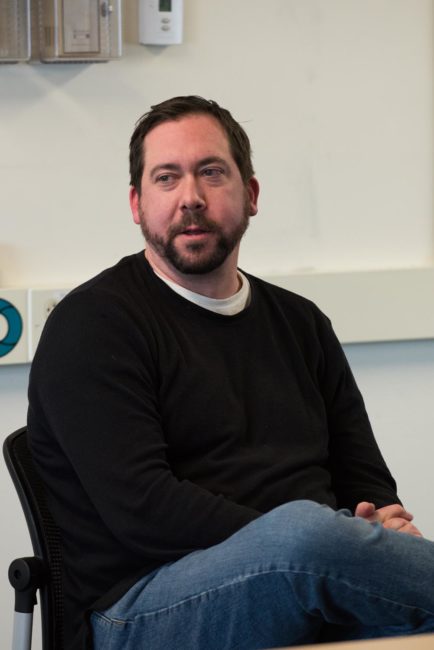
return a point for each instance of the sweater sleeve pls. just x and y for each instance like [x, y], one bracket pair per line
[359, 472]
[94, 384]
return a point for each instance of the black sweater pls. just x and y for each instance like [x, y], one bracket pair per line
[160, 427]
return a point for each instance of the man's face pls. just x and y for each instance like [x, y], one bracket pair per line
[194, 207]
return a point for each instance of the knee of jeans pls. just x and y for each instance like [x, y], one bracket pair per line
[302, 529]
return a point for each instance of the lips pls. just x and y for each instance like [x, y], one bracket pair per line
[193, 225]
[191, 232]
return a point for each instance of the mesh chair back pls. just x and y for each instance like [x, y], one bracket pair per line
[44, 534]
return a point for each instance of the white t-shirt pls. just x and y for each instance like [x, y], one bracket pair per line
[226, 306]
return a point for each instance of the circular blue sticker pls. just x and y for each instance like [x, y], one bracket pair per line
[15, 327]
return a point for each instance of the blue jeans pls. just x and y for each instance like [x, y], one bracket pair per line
[299, 574]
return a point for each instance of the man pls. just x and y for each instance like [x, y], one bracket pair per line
[199, 432]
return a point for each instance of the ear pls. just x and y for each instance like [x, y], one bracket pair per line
[134, 204]
[253, 193]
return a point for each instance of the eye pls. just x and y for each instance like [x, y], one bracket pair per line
[164, 178]
[212, 172]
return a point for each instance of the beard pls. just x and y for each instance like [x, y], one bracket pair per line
[199, 257]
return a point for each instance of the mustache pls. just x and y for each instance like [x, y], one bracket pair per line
[193, 218]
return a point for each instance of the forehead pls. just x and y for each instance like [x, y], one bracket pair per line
[192, 136]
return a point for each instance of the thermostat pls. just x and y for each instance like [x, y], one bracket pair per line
[160, 22]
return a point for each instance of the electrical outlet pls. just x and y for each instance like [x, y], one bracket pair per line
[41, 304]
[13, 326]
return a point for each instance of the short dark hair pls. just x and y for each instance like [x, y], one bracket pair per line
[175, 109]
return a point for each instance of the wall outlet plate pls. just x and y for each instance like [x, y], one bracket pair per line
[13, 326]
[41, 304]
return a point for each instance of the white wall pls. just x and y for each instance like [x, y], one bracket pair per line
[337, 96]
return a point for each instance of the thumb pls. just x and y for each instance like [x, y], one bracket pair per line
[365, 509]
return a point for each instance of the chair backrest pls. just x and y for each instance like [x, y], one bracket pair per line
[44, 534]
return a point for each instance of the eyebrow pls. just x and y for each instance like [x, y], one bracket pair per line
[173, 167]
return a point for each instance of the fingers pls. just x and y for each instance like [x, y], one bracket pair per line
[401, 525]
[392, 512]
[394, 517]
[368, 511]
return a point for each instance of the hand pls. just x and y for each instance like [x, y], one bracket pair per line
[394, 517]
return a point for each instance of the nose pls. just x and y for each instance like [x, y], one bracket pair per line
[192, 197]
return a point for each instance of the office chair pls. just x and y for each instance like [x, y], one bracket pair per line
[42, 572]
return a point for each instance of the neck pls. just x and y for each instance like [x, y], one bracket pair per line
[223, 282]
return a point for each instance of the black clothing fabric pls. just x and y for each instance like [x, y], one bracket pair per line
[160, 427]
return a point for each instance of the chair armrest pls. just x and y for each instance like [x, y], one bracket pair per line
[26, 575]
